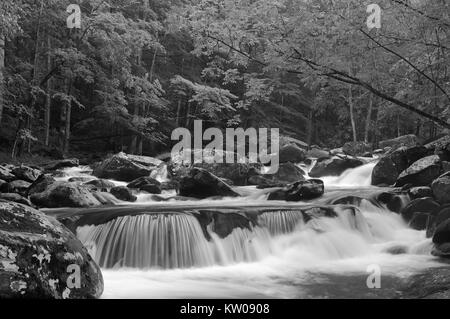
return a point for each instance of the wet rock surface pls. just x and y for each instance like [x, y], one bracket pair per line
[38, 255]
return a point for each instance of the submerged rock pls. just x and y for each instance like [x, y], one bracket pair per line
[123, 167]
[39, 258]
[334, 166]
[441, 188]
[303, 190]
[421, 173]
[202, 184]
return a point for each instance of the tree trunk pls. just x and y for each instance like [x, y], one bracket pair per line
[48, 102]
[310, 126]
[2, 67]
[68, 119]
[368, 119]
[352, 116]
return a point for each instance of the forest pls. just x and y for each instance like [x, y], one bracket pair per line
[138, 69]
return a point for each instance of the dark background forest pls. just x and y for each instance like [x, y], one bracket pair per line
[137, 69]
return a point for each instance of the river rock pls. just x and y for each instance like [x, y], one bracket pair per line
[287, 173]
[440, 146]
[142, 181]
[26, 173]
[262, 182]
[101, 184]
[442, 236]
[292, 153]
[123, 193]
[65, 194]
[317, 153]
[41, 184]
[387, 170]
[18, 186]
[13, 197]
[441, 188]
[357, 148]
[405, 140]
[202, 184]
[64, 163]
[303, 190]
[334, 166]
[123, 167]
[423, 205]
[441, 216]
[238, 173]
[445, 167]
[419, 192]
[420, 221]
[6, 174]
[394, 202]
[38, 255]
[421, 173]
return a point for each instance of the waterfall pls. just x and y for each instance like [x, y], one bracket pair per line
[359, 176]
[177, 240]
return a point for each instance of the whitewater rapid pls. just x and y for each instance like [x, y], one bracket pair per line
[284, 257]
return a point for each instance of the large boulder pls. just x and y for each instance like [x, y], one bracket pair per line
[65, 194]
[292, 153]
[387, 170]
[421, 173]
[123, 193]
[26, 173]
[123, 167]
[441, 216]
[202, 184]
[405, 140]
[304, 190]
[64, 163]
[334, 166]
[262, 182]
[420, 205]
[40, 258]
[441, 188]
[356, 148]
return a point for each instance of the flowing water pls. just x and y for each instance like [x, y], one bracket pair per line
[170, 255]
